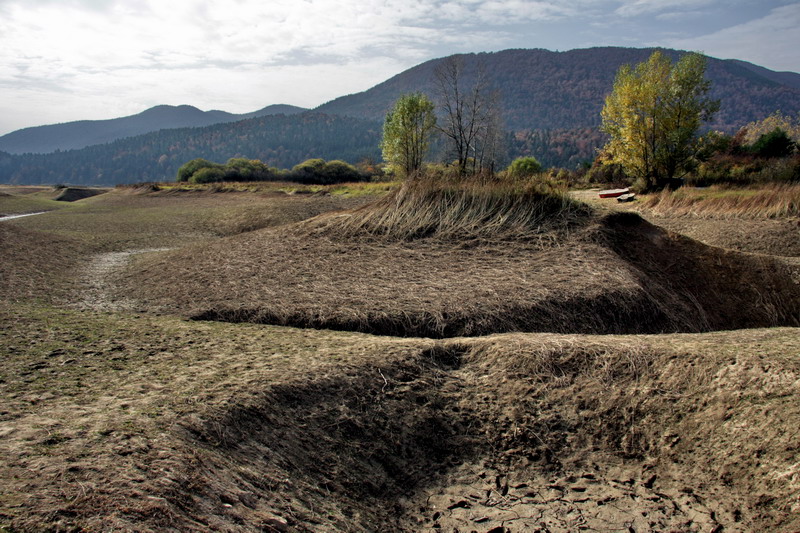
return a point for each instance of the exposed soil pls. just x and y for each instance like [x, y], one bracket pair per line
[253, 428]
[778, 237]
[32, 260]
[96, 280]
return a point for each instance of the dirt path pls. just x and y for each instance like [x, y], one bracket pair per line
[96, 280]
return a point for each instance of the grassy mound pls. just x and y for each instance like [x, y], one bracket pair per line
[458, 211]
[73, 194]
[443, 262]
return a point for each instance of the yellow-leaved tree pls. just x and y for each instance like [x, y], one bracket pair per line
[653, 115]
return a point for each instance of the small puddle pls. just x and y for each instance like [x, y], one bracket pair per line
[10, 217]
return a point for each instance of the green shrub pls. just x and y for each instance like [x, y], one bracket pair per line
[242, 169]
[320, 172]
[523, 167]
[208, 175]
[776, 143]
[338, 171]
[187, 170]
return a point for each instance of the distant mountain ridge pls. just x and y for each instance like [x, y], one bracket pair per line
[83, 133]
[791, 79]
[550, 102]
[545, 90]
[278, 140]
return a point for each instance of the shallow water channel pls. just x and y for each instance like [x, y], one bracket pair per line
[11, 217]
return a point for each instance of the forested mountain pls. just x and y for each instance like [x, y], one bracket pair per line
[544, 90]
[550, 103]
[79, 134]
[278, 140]
[792, 79]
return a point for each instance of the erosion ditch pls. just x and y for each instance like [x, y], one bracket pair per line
[511, 433]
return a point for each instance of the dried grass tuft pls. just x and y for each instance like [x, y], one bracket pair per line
[454, 210]
[774, 200]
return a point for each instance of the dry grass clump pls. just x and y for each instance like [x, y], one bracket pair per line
[774, 200]
[453, 210]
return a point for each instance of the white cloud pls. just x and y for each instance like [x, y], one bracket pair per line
[70, 59]
[640, 7]
[516, 11]
[772, 41]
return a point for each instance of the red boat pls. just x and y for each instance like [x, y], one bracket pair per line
[613, 193]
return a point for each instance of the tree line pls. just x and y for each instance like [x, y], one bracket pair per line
[650, 127]
[649, 133]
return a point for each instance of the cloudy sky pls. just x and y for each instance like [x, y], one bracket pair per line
[63, 60]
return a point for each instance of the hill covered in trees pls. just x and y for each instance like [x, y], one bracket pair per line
[280, 141]
[544, 90]
[82, 133]
[549, 103]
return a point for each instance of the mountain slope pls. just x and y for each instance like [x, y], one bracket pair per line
[278, 140]
[79, 134]
[792, 79]
[540, 89]
[550, 101]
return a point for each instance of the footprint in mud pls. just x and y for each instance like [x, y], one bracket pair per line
[490, 502]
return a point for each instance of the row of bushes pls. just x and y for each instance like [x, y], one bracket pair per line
[723, 159]
[311, 171]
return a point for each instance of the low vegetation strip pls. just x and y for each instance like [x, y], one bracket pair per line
[766, 201]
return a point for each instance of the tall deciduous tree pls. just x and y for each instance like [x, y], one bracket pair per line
[470, 116]
[407, 132]
[653, 115]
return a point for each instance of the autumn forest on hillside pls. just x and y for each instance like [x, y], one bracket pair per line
[561, 133]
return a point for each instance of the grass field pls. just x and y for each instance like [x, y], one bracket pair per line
[120, 413]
